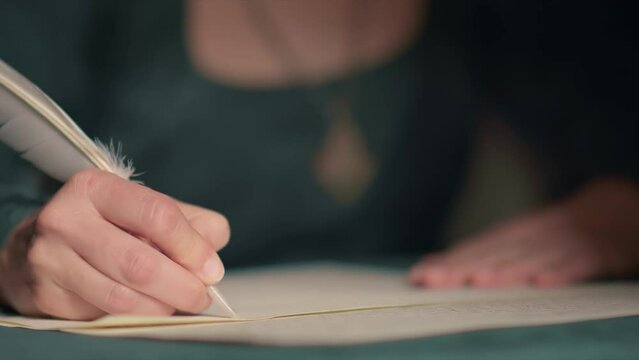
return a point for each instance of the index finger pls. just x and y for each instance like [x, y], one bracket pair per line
[157, 218]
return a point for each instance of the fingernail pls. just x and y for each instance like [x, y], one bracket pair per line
[213, 270]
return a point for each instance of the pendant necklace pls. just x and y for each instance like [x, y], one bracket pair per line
[343, 165]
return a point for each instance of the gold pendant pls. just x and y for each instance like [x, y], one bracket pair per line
[343, 165]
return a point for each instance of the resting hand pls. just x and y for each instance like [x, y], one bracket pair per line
[104, 245]
[593, 234]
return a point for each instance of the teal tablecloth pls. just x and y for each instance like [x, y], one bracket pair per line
[603, 339]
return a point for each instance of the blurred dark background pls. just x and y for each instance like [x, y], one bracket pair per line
[551, 87]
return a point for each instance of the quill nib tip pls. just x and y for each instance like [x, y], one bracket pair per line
[219, 306]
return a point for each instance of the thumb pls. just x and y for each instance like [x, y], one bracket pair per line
[211, 225]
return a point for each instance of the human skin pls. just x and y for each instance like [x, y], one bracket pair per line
[592, 234]
[103, 245]
[106, 245]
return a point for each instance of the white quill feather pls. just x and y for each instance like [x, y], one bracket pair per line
[36, 127]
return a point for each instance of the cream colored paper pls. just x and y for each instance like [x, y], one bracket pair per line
[323, 305]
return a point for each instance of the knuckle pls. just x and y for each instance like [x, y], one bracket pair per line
[119, 299]
[139, 266]
[37, 255]
[50, 219]
[84, 181]
[161, 214]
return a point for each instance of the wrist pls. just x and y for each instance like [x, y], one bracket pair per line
[607, 203]
[606, 212]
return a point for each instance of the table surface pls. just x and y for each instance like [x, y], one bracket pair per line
[602, 339]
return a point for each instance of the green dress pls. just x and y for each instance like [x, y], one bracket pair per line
[120, 69]
[122, 73]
